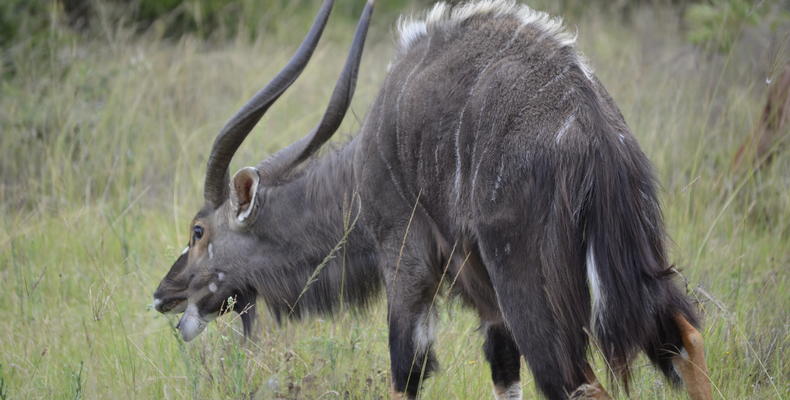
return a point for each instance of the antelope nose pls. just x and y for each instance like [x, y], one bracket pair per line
[157, 304]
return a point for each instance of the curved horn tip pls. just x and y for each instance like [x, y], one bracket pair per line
[286, 159]
[239, 126]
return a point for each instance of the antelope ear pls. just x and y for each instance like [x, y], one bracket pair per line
[244, 195]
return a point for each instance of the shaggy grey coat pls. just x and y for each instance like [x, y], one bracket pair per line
[493, 163]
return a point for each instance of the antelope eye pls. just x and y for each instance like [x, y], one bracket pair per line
[197, 233]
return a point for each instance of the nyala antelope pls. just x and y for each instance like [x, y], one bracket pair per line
[493, 163]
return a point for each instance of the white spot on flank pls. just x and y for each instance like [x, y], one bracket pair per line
[221, 276]
[476, 145]
[498, 182]
[457, 180]
[436, 160]
[210, 251]
[565, 126]
[212, 287]
[512, 392]
[424, 332]
[596, 290]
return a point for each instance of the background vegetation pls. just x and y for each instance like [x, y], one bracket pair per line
[107, 110]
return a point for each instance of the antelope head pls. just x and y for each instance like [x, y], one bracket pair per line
[227, 236]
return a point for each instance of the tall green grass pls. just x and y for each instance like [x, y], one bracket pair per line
[104, 143]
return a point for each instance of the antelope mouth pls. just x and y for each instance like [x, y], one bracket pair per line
[170, 305]
[192, 323]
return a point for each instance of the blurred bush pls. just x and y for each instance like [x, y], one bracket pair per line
[21, 19]
[717, 24]
[37, 26]
[714, 24]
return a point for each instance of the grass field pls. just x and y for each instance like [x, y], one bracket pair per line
[102, 152]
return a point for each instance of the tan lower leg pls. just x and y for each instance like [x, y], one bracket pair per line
[395, 395]
[691, 362]
[592, 390]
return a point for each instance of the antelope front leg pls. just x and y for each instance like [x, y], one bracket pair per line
[505, 360]
[411, 323]
[690, 364]
[411, 357]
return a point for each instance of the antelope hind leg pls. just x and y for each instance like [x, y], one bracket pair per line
[396, 395]
[690, 363]
[592, 390]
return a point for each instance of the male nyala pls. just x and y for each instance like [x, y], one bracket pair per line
[493, 160]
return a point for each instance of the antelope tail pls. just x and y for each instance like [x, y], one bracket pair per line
[634, 299]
